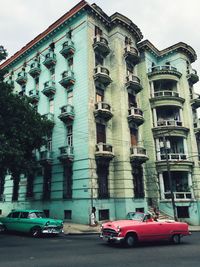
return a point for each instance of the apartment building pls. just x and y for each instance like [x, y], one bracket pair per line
[126, 130]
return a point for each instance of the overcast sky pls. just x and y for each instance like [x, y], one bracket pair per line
[164, 23]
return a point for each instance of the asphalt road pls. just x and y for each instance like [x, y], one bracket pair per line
[89, 251]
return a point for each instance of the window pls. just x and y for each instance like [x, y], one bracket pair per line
[102, 173]
[14, 214]
[24, 215]
[138, 182]
[132, 101]
[139, 209]
[29, 186]
[46, 212]
[70, 62]
[134, 136]
[67, 214]
[0, 212]
[37, 83]
[67, 181]
[69, 135]
[70, 98]
[127, 41]
[47, 182]
[49, 143]
[52, 46]
[97, 31]
[99, 95]
[51, 106]
[99, 60]
[183, 212]
[104, 215]
[101, 133]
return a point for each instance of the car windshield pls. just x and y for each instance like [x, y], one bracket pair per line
[36, 214]
[135, 216]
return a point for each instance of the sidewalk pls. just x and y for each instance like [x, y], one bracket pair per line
[74, 228]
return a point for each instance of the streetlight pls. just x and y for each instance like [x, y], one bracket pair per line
[166, 146]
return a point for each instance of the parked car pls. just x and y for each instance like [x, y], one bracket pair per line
[142, 227]
[31, 221]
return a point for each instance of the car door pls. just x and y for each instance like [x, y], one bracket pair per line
[12, 221]
[24, 222]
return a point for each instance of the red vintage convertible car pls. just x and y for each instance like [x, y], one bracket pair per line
[142, 227]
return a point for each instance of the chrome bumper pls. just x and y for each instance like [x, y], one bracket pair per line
[52, 231]
[114, 238]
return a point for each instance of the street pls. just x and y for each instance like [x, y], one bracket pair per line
[89, 251]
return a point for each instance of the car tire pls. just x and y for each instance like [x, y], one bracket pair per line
[130, 240]
[176, 239]
[35, 231]
[3, 229]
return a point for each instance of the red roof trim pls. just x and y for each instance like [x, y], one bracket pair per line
[65, 17]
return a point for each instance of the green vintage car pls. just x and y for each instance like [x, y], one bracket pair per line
[30, 221]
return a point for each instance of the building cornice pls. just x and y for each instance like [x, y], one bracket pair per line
[181, 47]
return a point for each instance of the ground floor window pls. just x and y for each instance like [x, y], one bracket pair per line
[183, 212]
[67, 214]
[104, 215]
[67, 181]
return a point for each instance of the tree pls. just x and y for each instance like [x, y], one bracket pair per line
[22, 130]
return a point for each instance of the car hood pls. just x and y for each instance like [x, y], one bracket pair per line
[120, 223]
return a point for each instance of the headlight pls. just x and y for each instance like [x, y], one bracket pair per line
[47, 223]
[118, 229]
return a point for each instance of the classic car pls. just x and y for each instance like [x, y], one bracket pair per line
[30, 221]
[141, 227]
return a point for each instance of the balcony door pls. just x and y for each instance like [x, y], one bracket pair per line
[101, 133]
[134, 136]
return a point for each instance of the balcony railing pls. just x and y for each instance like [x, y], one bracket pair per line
[103, 110]
[138, 154]
[21, 78]
[49, 88]
[131, 54]
[174, 156]
[67, 79]
[67, 113]
[104, 150]
[133, 82]
[166, 69]
[178, 195]
[101, 45]
[135, 115]
[193, 76]
[166, 93]
[66, 153]
[50, 59]
[102, 75]
[166, 123]
[34, 95]
[195, 101]
[35, 69]
[68, 49]
[46, 156]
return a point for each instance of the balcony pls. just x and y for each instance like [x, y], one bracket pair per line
[133, 83]
[68, 49]
[21, 78]
[66, 154]
[179, 195]
[49, 88]
[10, 82]
[50, 60]
[135, 115]
[67, 114]
[104, 151]
[172, 126]
[34, 96]
[165, 96]
[103, 111]
[173, 156]
[138, 154]
[192, 76]
[102, 75]
[35, 69]
[196, 125]
[131, 54]
[67, 79]
[46, 157]
[49, 116]
[101, 45]
[195, 101]
[164, 70]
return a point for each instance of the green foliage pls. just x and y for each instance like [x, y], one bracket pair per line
[22, 130]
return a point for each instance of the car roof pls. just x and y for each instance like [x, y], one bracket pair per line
[24, 210]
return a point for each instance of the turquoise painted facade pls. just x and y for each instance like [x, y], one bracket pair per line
[112, 98]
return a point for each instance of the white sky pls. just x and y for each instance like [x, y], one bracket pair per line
[164, 23]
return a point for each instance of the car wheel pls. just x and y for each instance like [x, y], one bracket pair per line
[130, 240]
[35, 231]
[176, 239]
[3, 228]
